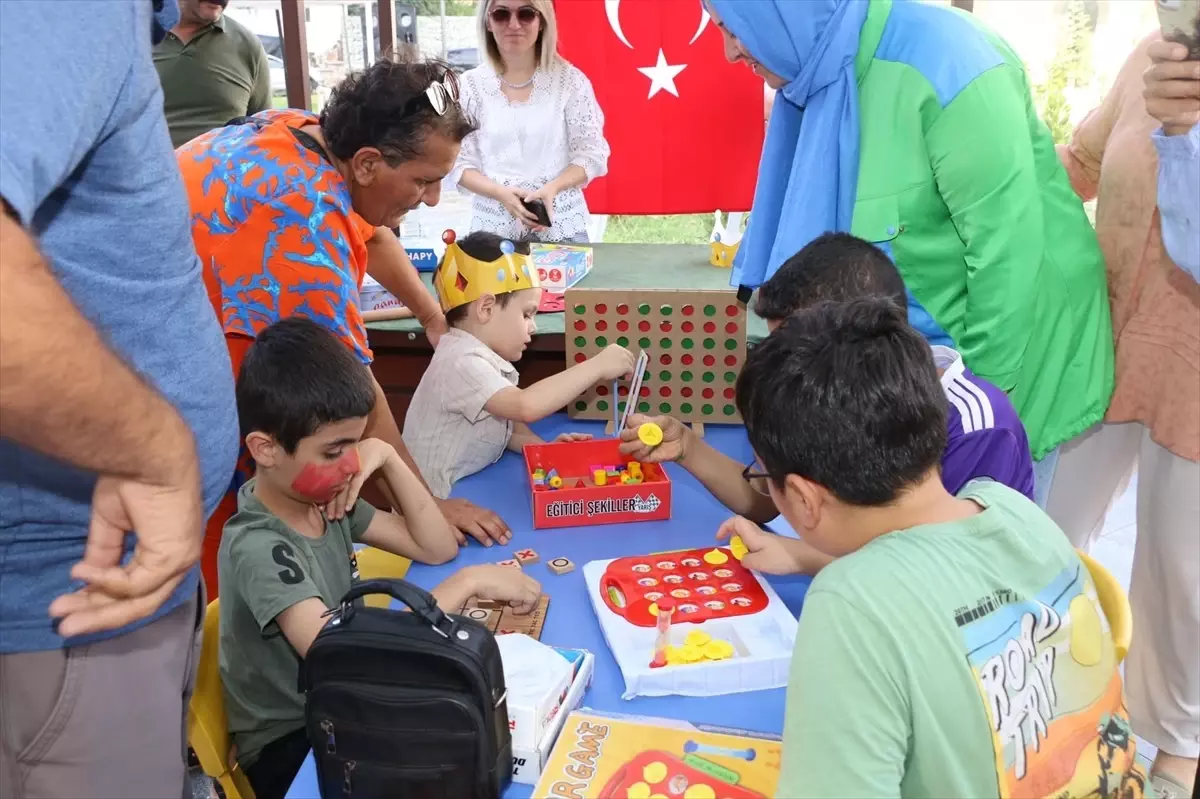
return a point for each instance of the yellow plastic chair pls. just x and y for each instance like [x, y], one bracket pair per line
[375, 564]
[208, 727]
[1113, 602]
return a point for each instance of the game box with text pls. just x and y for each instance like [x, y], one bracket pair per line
[581, 500]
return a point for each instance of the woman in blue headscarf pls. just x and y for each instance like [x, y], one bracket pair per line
[912, 126]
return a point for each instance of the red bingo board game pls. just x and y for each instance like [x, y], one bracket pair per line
[705, 584]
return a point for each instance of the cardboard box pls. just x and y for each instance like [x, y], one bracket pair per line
[528, 723]
[374, 297]
[529, 761]
[560, 266]
[613, 503]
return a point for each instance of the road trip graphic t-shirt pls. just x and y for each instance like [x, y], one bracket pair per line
[963, 659]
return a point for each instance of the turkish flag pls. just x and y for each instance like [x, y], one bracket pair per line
[685, 126]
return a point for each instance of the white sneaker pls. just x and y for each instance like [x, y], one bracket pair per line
[1167, 788]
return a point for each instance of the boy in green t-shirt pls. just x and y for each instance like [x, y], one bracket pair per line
[287, 555]
[956, 646]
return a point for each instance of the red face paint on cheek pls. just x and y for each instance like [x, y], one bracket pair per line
[321, 482]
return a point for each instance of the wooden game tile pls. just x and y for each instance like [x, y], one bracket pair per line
[512, 563]
[526, 557]
[561, 565]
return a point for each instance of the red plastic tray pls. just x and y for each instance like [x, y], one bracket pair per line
[680, 775]
[572, 506]
[701, 591]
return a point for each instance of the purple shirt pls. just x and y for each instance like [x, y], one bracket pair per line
[985, 438]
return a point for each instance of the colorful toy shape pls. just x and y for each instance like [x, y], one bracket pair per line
[654, 773]
[701, 590]
[650, 434]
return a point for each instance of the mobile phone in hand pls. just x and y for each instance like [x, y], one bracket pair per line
[538, 209]
[1180, 22]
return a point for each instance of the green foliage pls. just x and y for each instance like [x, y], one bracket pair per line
[671, 229]
[454, 8]
[1071, 68]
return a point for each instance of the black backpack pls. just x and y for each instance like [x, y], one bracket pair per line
[405, 705]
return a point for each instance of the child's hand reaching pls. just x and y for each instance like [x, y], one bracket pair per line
[373, 454]
[614, 361]
[766, 552]
[504, 584]
[563, 438]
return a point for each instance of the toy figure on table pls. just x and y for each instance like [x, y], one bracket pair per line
[468, 407]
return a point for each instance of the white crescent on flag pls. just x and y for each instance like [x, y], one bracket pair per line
[612, 10]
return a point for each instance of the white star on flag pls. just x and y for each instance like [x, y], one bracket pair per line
[662, 75]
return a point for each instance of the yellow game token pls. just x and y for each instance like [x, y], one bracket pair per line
[691, 654]
[653, 608]
[698, 791]
[658, 796]
[650, 434]
[655, 773]
[698, 638]
[738, 547]
[718, 650]
[715, 557]
[639, 790]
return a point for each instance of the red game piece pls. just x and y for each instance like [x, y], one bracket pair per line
[448, 237]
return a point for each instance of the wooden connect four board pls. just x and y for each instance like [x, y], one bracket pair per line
[696, 341]
[701, 590]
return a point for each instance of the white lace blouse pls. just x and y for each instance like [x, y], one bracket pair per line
[528, 144]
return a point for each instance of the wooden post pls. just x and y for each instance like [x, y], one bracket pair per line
[387, 29]
[295, 55]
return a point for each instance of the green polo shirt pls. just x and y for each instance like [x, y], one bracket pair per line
[221, 73]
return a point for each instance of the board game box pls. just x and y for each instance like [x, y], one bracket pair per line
[730, 631]
[612, 756]
[696, 341]
[580, 500]
[560, 266]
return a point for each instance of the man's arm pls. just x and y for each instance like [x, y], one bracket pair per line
[58, 380]
[388, 263]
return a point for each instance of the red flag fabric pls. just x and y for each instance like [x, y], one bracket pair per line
[685, 126]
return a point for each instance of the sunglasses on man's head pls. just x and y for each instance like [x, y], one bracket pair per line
[525, 15]
[441, 94]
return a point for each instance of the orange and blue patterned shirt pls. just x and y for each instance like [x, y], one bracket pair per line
[274, 227]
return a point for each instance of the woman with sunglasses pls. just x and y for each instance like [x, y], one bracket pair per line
[541, 132]
[291, 209]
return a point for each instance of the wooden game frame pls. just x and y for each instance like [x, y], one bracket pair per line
[707, 347]
[501, 619]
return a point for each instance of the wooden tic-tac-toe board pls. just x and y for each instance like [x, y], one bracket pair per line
[696, 341]
[501, 620]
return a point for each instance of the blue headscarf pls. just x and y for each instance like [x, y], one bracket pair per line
[809, 169]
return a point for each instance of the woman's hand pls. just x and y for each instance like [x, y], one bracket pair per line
[510, 197]
[546, 194]
[1172, 87]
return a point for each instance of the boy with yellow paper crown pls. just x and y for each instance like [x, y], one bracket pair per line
[468, 409]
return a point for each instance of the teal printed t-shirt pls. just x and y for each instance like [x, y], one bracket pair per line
[962, 659]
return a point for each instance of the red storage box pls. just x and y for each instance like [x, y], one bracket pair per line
[575, 505]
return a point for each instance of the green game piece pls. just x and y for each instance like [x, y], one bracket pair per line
[710, 310]
[706, 410]
[730, 377]
[664, 375]
[687, 343]
[621, 406]
[601, 341]
[730, 344]
[581, 406]
[664, 407]
[685, 376]
[624, 342]
[709, 343]
[665, 310]
[665, 343]
[580, 309]
[685, 407]
[580, 341]
[729, 410]
[712, 769]
[643, 407]
[601, 405]
[708, 377]
[644, 308]
[644, 343]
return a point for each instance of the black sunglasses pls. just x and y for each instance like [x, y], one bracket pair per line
[525, 15]
[751, 473]
[440, 94]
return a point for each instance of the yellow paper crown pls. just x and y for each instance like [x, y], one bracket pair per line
[462, 279]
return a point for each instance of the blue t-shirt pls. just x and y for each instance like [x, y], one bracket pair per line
[87, 166]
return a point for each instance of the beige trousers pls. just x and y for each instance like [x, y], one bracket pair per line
[1162, 672]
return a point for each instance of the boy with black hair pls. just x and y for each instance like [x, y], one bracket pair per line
[287, 555]
[955, 647]
[985, 436]
[468, 409]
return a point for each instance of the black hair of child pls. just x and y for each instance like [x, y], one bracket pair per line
[298, 377]
[845, 395]
[834, 267]
[484, 246]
